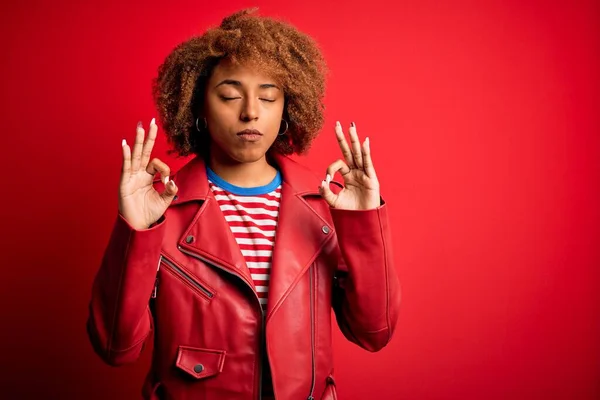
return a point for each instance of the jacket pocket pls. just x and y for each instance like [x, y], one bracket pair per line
[330, 393]
[200, 363]
[187, 278]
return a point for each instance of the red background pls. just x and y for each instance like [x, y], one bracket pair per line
[484, 124]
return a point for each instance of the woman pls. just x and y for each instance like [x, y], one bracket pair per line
[235, 262]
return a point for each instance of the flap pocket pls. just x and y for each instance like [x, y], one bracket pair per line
[200, 363]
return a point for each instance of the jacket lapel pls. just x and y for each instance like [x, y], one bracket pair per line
[301, 232]
[208, 235]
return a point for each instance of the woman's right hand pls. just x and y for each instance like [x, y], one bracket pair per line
[139, 203]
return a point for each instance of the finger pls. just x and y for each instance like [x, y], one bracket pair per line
[334, 167]
[367, 161]
[339, 133]
[147, 149]
[157, 166]
[126, 167]
[136, 155]
[169, 193]
[327, 194]
[356, 152]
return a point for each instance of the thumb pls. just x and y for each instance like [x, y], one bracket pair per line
[169, 192]
[327, 194]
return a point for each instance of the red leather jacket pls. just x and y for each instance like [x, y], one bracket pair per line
[185, 280]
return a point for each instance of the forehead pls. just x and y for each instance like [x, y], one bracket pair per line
[247, 72]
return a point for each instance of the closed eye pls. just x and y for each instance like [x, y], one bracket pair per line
[235, 98]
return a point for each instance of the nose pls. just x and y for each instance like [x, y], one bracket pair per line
[249, 110]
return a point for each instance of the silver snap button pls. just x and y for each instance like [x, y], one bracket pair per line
[325, 229]
[189, 239]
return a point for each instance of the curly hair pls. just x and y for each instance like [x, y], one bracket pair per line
[292, 57]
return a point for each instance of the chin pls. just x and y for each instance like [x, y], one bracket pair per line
[248, 156]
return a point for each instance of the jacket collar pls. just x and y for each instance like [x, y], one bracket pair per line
[192, 181]
[301, 230]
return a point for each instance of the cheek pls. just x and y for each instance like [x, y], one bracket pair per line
[275, 112]
[217, 109]
[221, 118]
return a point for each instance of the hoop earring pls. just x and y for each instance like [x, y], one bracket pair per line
[286, 128]
[205, 124]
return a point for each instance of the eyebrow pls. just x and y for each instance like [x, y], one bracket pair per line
[238, 83]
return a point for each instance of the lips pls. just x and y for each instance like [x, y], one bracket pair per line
[250, 132]
[250, 135]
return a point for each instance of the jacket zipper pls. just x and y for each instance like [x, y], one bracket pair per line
[262, 313]
[155, 290]
[188, 278]
[312, 334]
[260, 363]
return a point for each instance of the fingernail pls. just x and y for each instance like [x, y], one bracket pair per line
[337, 124]
[166, 180]
[352, 124]
[153, 122]
[124, 142]
[139, 125]
[367, 141]
[172, 183]
[328, 178]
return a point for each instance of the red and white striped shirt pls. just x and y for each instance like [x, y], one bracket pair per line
[252, 216]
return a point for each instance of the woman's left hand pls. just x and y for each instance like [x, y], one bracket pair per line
[361, 187]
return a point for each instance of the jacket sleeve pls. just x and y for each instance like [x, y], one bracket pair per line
[366, 292]
[119, 319]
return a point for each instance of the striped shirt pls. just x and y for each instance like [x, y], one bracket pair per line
[252, 216]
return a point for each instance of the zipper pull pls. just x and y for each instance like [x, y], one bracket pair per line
[155, 290]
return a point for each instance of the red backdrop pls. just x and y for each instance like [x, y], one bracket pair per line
[484, 123]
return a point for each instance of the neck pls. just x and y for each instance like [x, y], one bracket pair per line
[242, 174]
